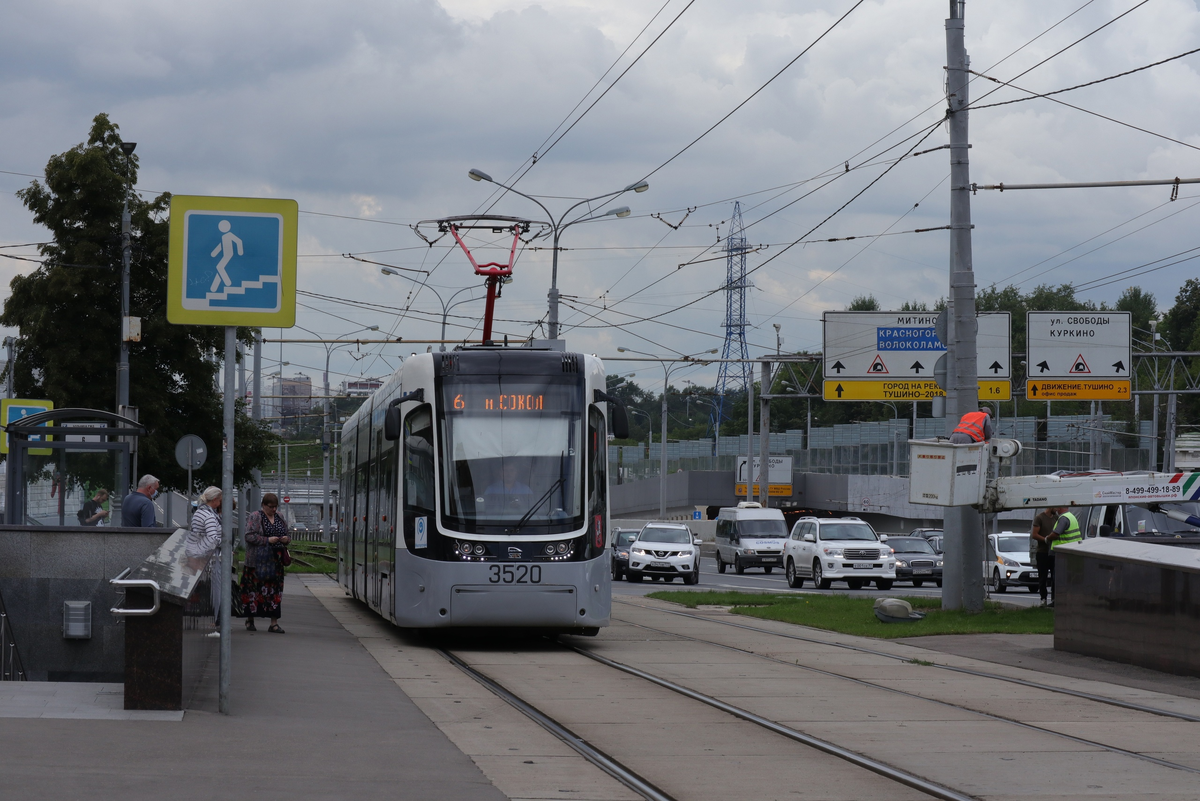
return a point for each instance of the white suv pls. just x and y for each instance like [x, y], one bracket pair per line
[664, 550]
[838, 549]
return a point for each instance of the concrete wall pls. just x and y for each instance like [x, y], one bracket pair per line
[40, 568]
[684, 492]
[1131, 602]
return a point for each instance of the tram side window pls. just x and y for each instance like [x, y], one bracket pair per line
[597, 466]
[418, 459]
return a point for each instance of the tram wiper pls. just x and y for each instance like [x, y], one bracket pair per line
[558, 482]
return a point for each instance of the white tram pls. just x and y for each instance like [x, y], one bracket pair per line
[474, 492]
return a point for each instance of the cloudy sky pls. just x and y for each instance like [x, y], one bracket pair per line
[369, 114]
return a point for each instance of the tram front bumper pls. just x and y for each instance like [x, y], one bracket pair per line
[563, 596]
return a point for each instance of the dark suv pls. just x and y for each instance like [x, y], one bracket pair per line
[620, 550]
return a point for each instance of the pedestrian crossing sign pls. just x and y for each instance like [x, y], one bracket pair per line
[232, 261]
[13, 410]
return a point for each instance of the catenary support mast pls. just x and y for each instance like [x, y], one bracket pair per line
[963, 582]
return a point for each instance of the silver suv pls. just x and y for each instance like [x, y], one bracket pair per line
[665, 550]
[838, 549]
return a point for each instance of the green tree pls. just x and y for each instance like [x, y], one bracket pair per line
[863, 303]
[67, 313]
[1142, 308]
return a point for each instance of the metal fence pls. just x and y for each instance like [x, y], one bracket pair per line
[1071, 443]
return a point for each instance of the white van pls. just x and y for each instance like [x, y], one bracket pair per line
[750, 536]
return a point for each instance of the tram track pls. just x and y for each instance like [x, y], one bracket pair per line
[1102, 699]
[579, 745]
[643, 786]
[862, 682]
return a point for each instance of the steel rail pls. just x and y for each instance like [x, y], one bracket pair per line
[1103, 699]
[990, 715]
[589, 752]
[853, 757]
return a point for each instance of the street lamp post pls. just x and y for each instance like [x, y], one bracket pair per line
[558, 226]
[329, 349]
[649, 422]
[446, 305]
[668, 368]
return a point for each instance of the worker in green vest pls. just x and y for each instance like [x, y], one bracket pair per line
[1066, 531]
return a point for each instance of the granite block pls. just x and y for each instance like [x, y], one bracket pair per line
[126, 549]
[67, 555]
[1129, 610]
[15, 554]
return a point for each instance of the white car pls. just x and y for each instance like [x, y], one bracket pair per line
[838, 549]
[1007, 563]
[664, 551]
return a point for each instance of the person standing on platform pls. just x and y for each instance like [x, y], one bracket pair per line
[262, 576]
[1066, 531]
[1043, 528]
[204, 542]
[91, 513]
[974, 427]
[137, 510]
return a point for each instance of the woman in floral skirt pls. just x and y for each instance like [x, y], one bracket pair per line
[262, 576]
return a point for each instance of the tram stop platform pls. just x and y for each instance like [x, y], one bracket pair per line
[312, 716]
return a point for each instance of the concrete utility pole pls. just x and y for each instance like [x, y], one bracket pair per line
[764, 434]
[962, 579]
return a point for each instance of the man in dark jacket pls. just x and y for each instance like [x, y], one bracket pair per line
[137, 510]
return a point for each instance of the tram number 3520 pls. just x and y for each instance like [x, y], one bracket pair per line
[515, 574]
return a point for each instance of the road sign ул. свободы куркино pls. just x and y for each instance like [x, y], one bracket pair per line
[232, 261]
[1078, 355]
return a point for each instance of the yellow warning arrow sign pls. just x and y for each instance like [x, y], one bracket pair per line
[1072, 389]
[907, 390]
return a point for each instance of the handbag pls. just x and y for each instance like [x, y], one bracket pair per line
[285, 557]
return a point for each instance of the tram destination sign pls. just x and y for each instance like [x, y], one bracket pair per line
[897, 346]
[1082, 346]
[906, 390]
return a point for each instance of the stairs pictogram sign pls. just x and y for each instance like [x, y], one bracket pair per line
[877, 366]
[1079, 366]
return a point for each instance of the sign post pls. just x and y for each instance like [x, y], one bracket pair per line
[231, 262]
[190, 454]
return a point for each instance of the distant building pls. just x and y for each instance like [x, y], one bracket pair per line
[362, 387]
[293, 399]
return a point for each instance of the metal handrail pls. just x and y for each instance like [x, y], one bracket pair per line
[11, 667]
[121, 581]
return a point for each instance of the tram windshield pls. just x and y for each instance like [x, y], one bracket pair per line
[512, 454]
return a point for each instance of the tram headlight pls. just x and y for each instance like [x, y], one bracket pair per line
[479, 550]
[562, 547]
[550, 549]
[464, 548]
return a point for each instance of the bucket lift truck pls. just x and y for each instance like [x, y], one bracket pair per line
[943, 474]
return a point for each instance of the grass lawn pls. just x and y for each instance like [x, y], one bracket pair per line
[851, 615]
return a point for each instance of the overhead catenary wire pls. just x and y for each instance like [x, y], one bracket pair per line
[975, 107]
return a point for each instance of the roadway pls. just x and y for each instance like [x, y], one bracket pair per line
[754, 580]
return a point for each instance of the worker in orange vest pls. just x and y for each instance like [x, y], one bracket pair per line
[974, 427]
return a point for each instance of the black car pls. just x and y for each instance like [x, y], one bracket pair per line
[916, 561]
[620, 547]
